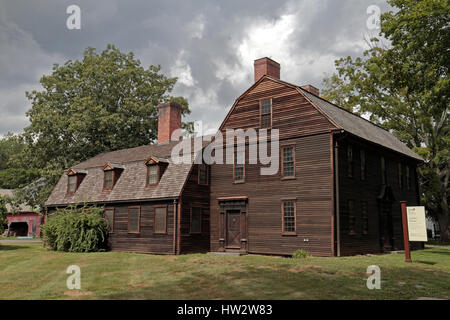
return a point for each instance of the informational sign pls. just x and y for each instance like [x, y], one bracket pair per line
[417, 227]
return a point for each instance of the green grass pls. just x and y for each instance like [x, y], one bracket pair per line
[28, 271]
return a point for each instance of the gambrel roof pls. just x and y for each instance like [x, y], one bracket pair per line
[359, 126]
[342, 119]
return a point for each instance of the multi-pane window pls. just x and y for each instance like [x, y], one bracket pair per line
[266, 114]
[400, 175]
[289, 216]
[350, 161]
[202, 174]
[383, 170]
[152, 174]
[160, 219]
[72, 184]
[288, 161]
[362, 155]
[364, 218]
[109, 180]
[109, 216]
[408, 178]
[351, 217]
[196, 220]
[134, 219]
[239, 170]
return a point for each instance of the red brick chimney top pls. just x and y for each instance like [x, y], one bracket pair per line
[169, 120]
[311, 89]
[267, 66]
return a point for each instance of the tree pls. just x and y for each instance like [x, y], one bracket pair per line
[14, 173]
[404, 86]
[101, 103]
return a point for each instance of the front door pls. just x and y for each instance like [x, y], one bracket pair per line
[386, 227]
[233, 229]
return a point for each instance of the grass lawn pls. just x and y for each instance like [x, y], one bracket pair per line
[28, 271]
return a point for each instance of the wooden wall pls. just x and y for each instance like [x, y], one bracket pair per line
[146, 240]
[301, 123]
[292, 114]
[368, 190]
[194, 195]
[312, 188]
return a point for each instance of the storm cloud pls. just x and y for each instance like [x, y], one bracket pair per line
[209, 45]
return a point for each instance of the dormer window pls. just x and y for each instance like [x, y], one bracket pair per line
[74, 179]
[72, 184]
[111, 175]
[155, 169]
[109, 180]
[152, 174]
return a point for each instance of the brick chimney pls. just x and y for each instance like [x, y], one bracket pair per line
[311, 89]
[169, 120]
[266, 66]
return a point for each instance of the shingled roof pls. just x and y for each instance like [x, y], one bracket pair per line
[132, 182]
[359, 126]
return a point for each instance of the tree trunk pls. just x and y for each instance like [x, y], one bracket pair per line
[443, 226]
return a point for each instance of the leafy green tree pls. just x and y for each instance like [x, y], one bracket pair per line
[402, 81]
[103, 102]
[14, 171]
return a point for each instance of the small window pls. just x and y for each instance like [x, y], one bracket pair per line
[408, 178]
[108, 183]
[364, 218]
[383, 170]
[160, 224]
[239, 167]
[134, 217]
[289, 213]
[109, 216]
[350, 161]
[288, 161]
[152, 174]
[266, 114]
[400, 175]
[203, 174]
[351, 217]
[196, 220]
[362, 154]
[72, 184]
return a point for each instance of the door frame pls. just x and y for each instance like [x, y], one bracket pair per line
[229, 204]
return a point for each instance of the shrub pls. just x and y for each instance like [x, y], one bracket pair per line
[76, 229]
[300, 254]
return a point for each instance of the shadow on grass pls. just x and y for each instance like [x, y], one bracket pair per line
[438, 251]
[426, 262]
[11, 247]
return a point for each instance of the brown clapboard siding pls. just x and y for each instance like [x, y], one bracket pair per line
[146, 241]
[197, 195]
[368, 190]
[312, 190]
[292, 113]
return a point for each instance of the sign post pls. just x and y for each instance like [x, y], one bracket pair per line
[405, 232]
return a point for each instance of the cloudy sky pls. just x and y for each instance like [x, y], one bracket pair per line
[210, 45]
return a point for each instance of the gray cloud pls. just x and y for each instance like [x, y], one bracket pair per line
[209, 45]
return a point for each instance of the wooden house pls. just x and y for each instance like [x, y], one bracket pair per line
[336, 192]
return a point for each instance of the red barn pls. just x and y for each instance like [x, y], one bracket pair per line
[25, 222]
